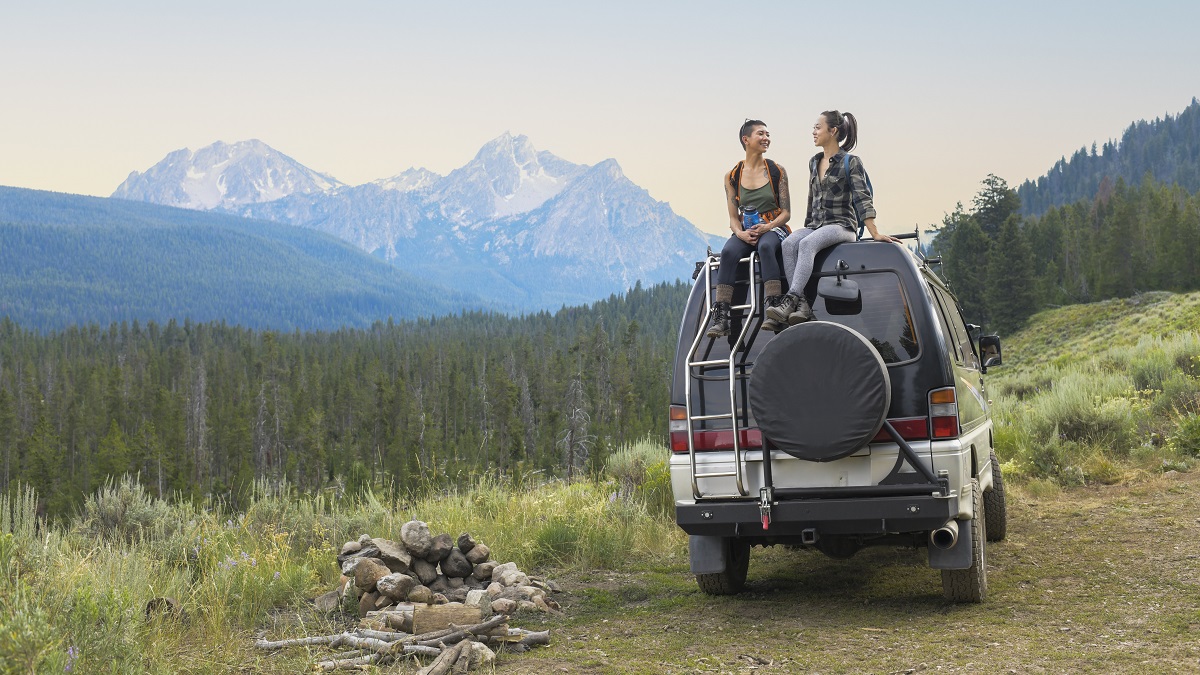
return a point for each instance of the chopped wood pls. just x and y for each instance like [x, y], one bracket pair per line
[459, 634]
[345, 664]
[442, 664]
[436, 617]
[385, 635]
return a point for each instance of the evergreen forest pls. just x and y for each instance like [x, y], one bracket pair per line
[205, 409]
[1167, 149]
[1125, 240]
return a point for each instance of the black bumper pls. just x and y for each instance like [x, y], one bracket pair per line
[861, 516]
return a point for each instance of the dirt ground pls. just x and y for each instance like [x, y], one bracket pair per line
[1102, 579]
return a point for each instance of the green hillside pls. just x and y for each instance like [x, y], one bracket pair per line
[71, 260]
[1102, 392]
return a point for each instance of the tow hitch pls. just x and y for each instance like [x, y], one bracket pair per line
[764, 506]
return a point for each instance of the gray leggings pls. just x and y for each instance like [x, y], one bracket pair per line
[801, 247]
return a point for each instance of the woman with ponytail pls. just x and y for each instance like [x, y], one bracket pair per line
[837, 199]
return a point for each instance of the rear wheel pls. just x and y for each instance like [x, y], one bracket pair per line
[970, 585]
[995, 506]
[733, 579]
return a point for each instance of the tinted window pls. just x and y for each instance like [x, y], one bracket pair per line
[882, 315]
[944, 322]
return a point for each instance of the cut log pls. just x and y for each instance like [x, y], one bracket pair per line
[442, 664]
[437, 617]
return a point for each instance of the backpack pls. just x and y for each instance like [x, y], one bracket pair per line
[735, 181]
[812, 171]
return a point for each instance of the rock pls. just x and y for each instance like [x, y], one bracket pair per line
[420, 594]
[455, 582]
[511, 578]
[367, 603]
[478, 554]
[396, 586]
[465, 542]
[416, 538]
[473, 583]
[526, 604]
[440, 548]
[500, 570]
[531, 592]
[504, 606]
[367, 572]
[364, 552]
[456, 594]
[494, 589]
[439, 599]
[383, 602]
[426, 572]
[166, 606]
[483, 570]
[547, 605]
[328, 602]
[439, 584]
[544, 584]
[364, 539]
[481, 655]
[475, 598]
[350, 547]
[456, 565]
[393, 555]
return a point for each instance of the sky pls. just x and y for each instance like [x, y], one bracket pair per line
[944, 92]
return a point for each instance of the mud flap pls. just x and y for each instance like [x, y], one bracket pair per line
[957, 557]
[707, 554]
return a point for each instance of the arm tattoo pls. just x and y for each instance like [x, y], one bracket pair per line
[785, 195]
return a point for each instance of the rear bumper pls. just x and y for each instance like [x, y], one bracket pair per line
[857, 516]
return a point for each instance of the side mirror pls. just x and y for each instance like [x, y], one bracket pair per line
[838, 288]
[989, 350]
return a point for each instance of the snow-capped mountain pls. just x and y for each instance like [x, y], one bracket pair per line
[520, 226]
[508, 175]
[223, 175]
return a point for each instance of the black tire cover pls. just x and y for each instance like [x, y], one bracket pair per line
[819, 391]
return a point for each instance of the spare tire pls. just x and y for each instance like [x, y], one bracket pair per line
[819, 391]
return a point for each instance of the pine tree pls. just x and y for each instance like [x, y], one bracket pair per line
[1010, 293]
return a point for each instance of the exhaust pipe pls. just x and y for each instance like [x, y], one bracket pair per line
[946, 536]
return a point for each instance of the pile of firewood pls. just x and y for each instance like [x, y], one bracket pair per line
[455, 648]
[428, 595]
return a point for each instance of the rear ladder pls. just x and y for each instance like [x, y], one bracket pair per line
[736, 367]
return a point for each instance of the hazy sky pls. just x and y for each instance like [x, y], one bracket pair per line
[945, 92]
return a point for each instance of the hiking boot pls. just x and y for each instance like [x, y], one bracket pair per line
[781, 310]
[768, 323]
[801, 314]
[719, 325]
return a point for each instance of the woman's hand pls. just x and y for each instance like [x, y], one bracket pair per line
[748, 236]
[879, 236]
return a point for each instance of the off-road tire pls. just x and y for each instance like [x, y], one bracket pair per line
[995, 506]
[970, 585]
[733, 579]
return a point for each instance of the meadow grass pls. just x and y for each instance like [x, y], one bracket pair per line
[1101, 393]
[73, 596]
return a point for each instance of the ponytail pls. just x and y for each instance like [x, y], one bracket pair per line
[847, 127]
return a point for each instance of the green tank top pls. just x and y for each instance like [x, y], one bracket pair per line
[762, 198]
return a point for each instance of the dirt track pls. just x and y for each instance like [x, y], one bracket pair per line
[1097, 579]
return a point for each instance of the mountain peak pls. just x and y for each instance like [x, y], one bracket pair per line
[223, 175]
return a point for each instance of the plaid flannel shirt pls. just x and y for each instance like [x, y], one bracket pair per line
[829, 198]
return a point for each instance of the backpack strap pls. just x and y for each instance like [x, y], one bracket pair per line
[853, 197]
[776, 176]
[735, 181]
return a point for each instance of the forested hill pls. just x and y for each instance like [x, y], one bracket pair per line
[69, 259]
[208, 408]
[1168, 149]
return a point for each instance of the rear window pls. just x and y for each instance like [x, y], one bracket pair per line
[881, 314]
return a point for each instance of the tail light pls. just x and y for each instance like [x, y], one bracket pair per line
[709, 439]
[909, 428]
[943, 413]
